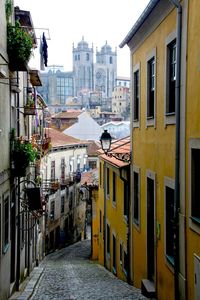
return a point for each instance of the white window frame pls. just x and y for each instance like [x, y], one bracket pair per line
[169, 119]
[114, 175]
[151, 121]
[136, 123]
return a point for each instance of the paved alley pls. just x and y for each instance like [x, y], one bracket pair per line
[69, 274]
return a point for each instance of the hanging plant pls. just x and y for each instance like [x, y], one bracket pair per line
[22, 154]
[19, 46]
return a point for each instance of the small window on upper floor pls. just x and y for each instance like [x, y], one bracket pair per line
[114, 188]
[151, 88]
[111, 60]
[107, 181]
[171, 77]
[100, 174]
[87, 56]
[136, 95]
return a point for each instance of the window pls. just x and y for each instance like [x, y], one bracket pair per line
[195, 191]
[62, 207]
[100, 220]
[71, 165]
[171, 77]
[126, 197]
[150, 87]
[100, 174]
[108, 182]
[87, 56]
[5, 228]
[52, 210]
[62, 168]
[126, 263]
[70, 200]
[78, 166]
[169, 225]
[114, 253]
[136, 96]
[114, 188]
[111, 60]
[120, 253]
[108, 239]
[136, 198]
[53, 170]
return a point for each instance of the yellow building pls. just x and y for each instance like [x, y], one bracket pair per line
[163, 244]
[112, 209]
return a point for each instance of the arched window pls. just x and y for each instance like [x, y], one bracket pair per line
[87, 56]
[111, 60]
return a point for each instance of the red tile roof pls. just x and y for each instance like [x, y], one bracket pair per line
[90, 177]
[121, 146]
[70, 114]
[60, 139]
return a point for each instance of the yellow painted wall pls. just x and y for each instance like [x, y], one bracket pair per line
[117, 221]
[95, 225]
[192, 129]
[154, 150]
[115, 218]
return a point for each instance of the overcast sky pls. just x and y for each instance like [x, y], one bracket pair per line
[98, 21]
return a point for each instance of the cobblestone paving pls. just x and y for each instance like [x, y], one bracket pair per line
[69, 274]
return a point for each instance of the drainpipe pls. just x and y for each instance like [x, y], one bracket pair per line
[177, 151]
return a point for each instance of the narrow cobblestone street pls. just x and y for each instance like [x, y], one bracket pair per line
[69, 274]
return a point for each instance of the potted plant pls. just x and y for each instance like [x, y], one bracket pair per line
[29, 109]
[19, 47]
[22, 154]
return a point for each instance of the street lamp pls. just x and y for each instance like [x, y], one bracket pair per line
[105, 140]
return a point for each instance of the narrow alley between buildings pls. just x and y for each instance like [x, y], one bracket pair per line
[70, 274]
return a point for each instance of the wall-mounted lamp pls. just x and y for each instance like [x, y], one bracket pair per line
[106, 144]
[105, 140]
